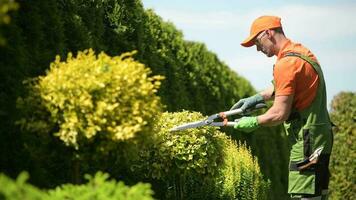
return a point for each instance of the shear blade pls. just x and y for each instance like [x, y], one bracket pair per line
[188, 125]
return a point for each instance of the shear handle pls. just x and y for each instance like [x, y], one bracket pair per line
[240, 111]
[223, 124]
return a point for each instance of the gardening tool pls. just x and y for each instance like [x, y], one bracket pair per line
[223, 115]
[313, 159]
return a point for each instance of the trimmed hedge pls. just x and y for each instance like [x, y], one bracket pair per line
[200, 163]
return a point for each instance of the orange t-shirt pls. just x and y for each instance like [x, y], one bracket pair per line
[293, 75]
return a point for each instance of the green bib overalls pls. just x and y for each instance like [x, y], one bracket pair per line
[308, 130]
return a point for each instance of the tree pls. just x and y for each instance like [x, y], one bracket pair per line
[343, 156]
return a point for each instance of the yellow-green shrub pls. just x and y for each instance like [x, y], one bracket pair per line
[240, 174]
[200, 163]
[91, 96]
[189, 150]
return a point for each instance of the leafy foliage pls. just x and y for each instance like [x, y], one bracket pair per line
[240, 174]
[343, 156]
[189, 150]
[97, 188]
[199, 163]
[270, 145]
[92, 95]
[19, 189]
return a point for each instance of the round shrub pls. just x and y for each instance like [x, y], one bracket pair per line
[199, 163]
[87, 96]
[190, 150]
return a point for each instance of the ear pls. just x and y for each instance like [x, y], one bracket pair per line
[269, 33]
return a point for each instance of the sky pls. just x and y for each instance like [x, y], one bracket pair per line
[326, 27]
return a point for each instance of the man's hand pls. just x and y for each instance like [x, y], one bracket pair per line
[249, 102]
[247, 124]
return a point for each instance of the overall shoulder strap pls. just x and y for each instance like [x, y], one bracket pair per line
[304, 57]
[321, 93]
[319, 104]
[312, 62]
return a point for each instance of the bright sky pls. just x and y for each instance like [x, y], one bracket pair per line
[327, 28]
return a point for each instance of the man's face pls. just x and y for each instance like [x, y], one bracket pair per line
[263, 43]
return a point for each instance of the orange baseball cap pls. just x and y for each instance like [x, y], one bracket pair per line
[260, 24]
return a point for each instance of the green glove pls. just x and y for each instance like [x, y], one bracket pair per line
[247, 124]
[248, 102]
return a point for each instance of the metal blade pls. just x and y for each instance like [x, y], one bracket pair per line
[188, 125]
[316, 153]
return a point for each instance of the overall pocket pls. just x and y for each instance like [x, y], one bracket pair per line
[301, 182]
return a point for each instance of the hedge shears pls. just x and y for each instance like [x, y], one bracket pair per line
[222, 115]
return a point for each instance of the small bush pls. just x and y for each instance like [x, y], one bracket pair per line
[240, 174]
[91, 96]
[200, 163]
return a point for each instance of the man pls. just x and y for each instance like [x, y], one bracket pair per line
[299, 96]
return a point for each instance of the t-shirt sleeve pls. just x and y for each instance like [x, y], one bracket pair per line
[284, 74]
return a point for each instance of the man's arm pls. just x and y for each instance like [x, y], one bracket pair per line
[252, 101]
[278, 113]
[268, 93]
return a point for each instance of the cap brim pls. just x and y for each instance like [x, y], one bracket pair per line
[249, 41]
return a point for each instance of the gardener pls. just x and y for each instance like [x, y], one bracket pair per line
[299, 101]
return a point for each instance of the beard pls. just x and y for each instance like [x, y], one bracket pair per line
[267, 52]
